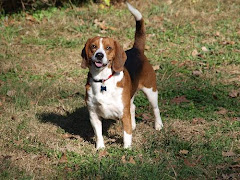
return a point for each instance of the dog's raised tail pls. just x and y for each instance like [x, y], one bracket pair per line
[140, 35]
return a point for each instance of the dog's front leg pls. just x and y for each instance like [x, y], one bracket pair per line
[97, 127]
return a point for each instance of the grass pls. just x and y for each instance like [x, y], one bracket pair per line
[45, 131]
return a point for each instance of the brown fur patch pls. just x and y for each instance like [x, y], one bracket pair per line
[125, 83]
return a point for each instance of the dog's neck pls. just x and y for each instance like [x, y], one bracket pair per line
[101, 74]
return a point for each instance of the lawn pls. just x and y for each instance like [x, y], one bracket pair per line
[45, 131]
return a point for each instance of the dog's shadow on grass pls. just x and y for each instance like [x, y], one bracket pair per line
[75, 123]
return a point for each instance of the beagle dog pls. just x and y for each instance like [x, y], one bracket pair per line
[114, 77]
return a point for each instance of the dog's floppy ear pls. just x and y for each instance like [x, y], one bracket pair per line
[119, 59]
[85, 61]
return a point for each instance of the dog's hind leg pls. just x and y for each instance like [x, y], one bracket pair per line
[132, 110]
[153, 99]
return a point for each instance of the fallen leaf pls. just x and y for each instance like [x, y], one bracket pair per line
[217, 34]
[146, 116]
[147, 47]
[112, 28]
[1, 103]
[236, 119]
[198, 120]
[228, 154]
[234, 93]
[156, 67]
[195, 53]
[30, 18]
[123, 159]
[63, 159]
[228, 42]
[174, 62]
[188, 163]
[1, 83]
[101, 6]
[100, 24]
[196, 73]
[204, 49]
[103, 153]
[235, 166]
[184, 152]
[69, 136]
[107, 2]
[179, 99]
[222, 111]
[11, 93]
[103, 26]
[68, 169]
[131, 160]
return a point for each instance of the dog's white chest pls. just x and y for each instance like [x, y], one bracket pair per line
[107, 104]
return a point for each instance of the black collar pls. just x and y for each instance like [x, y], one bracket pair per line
[102, 80]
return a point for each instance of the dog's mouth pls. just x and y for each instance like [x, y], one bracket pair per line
[99, 64]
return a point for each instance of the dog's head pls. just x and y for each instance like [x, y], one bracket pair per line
[101, 52]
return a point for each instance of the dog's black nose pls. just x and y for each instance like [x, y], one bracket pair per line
[99, 56]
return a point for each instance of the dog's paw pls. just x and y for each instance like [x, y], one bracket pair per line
[99, 147]
[100, 144]
[158, 126]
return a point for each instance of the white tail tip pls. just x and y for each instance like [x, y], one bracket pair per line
[134, 11]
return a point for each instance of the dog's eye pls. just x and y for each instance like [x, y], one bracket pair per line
[93, 46]
[108, 48]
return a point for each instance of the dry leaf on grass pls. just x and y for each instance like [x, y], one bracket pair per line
[228, 154]
[103, 153]
[69, 136]
[234, 93]
[228, 43]
[156, 67]
[103, 25]
[188, 163]
[11, 93]
[174, 62]
[204, 49]
[195, 53]
[31, 18]
[198, 120]
[146, 116]
[131, 160]
[184, 152]
[123, 159]
[196, 73]
[217, 33]
[179, 99]
[222, 111]
[63, 159]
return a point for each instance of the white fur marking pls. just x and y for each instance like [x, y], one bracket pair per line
[153, 99]
[101, 50]
[134, 11]
[127, 139]
[107, 104]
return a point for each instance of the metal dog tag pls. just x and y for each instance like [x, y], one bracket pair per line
[103, 88]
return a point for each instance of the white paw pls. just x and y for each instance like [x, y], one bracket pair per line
[158, 126]
[100, 144]
[100, 147]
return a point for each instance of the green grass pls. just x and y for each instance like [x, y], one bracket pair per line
[44, 124]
